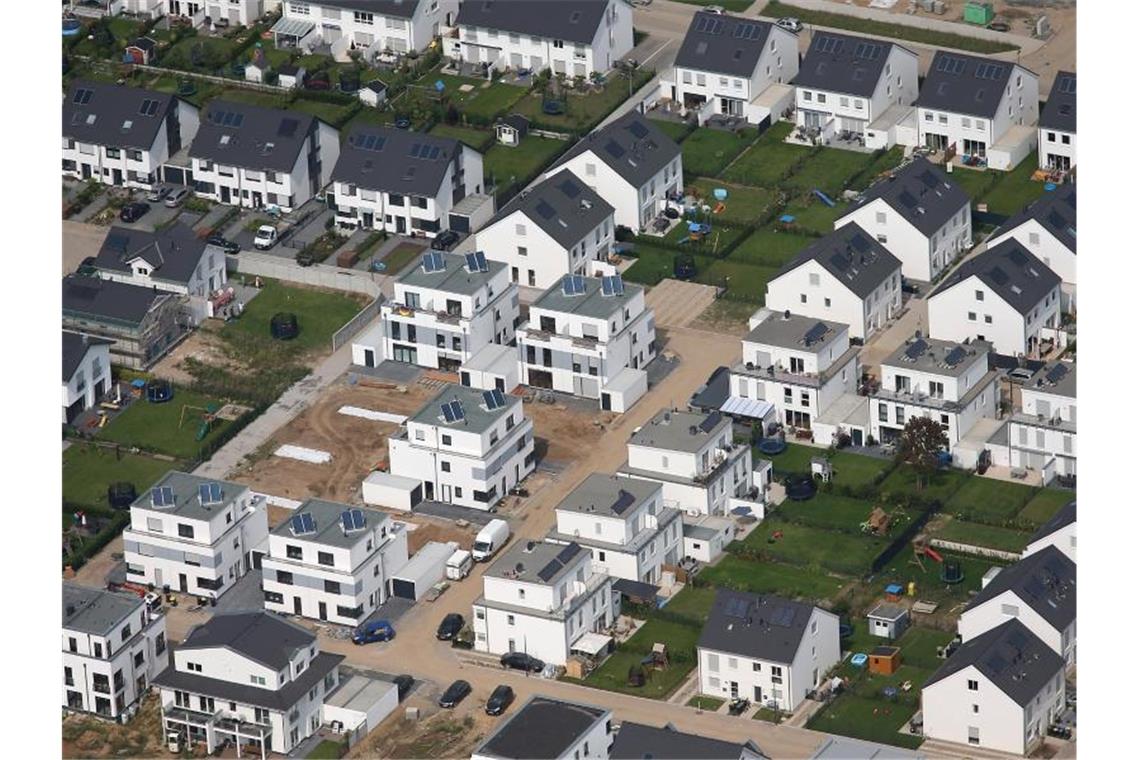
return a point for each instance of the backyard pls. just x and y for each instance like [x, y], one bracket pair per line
[706, 152]
[477, 99]
[582, 112]
[320, 313]
[88, 469]
[505, 165]
[170, 428]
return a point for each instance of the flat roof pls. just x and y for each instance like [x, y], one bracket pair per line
[888, 611]
[608, 495]
[937, 357]
[359, 693]
[96, 611]
[535, 562]
[792, 331]
[476, 417]
[186, 501]
[329, 527]
[493, 357]
[680, 431]
[1057, 377]
[592, 303]
[455, 277]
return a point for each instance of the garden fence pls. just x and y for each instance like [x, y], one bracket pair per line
[977, 551]
[357, 323]
[319, 275]
[227, 81]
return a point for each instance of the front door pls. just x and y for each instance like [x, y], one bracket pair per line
[158, 577]
[322, 611]
[296, 605]
[225, 194]
[429, 490]
[369, 357]
[86, 170]
[445, 492]
[401, 225]
[757, 695]
[734, 689]
[182, 583]
[117, 176]
[256, 199]
[368, 220]
[857, 437]
[606, 406]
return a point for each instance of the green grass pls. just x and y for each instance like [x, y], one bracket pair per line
[680, 641]
[707, 151]
[974, 182]
[828, 170]
[988, 536]
[484, 102]
[770, 248]
[865, 718]
[214, 49]
[656, 264]
[814, 215]
[692, 602]
[812, 547]
[929, 586]
[920, 646]
[156, 427]
[717, 240]
[882, 163]
[767, 161]
[830, 512]
[400, 256]
[89, 469]
[531, 156]
[744, 204]
[940, 486]
[1044, 504]
[479, 139]
[745, 282]
[1015, 189]
[988, 499]
[319, 314]
[766, 714]
[583, 112]
[732, 6]
[708, 704]
[676, 130]
[326, 750]
[794, 581]
[858, 470]
[796, 458]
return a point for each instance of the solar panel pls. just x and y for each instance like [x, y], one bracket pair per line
[709, 423]
[210, 493]
[623, 502]
[433, 262]
[149, 107]
[456, 410]
[567, 553]
[860, 243]
[82, 96]
[638, 129]
[550, 570]
[783, 616]
[545, 210]
[709, 24]
[288, 127]
[736, 608]
[302, 524]
[817, 331]
[163, 496]
[868, 51]
[570, 188]
[573, 285]
[490, 401]
[907, 200]
[448, 415]
[352, 519]
[927, 178]
[956, 355]
[1069, 85]
[916, 349]
[614, 149]
[476, 262]
[612, 285]
[1056, 373]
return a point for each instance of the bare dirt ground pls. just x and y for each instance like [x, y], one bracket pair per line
[87, 737]
[203, 345]
[444, 734]
[726, 317]
[566, 432]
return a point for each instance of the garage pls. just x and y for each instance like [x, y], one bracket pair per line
[422, 571]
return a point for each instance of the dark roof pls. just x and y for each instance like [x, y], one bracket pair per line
[1010, 656]
[272, 699]
[763, 627]
[398, 8]
[921, 194]
[843, 63]
[632, 146]
[967, 84]
[723, 44]
[238, 134]
[542, 729]
[1017, 276]
[1060, 111]
[93, 298]
[395, 160]
[562, 206]
[1055, 211]
[857, 260]
[571, 20]
[260, 636]
[1066, 515]
[144, 43]
[173, 252]
[75, 347]
[518, 121]
[288, 69]
[1045, 580]
[713, 393]
[116, 115]
[637, 740]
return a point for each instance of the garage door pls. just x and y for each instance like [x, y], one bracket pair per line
[403, 589]
[458, 223]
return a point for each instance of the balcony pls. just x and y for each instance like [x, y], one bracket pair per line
[778, 374]
[917, 398]
[587, 343]
[411, 312]
[722, 459]
[1039, 420]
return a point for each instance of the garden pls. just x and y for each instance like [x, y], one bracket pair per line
[172, 427]
[88, 470]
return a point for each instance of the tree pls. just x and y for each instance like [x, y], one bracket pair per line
[921, 442]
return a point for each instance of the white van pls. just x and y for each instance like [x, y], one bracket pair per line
[491, 538]
[459, 565]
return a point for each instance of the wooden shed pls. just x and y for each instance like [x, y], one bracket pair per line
[884, 661]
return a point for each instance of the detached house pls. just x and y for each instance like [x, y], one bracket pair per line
[847, 276]
[636, 741]
[1057, 130]
[254, 157]
[553, 729]
[1004, 295]
[630, 163]
[575, 38]
[732, 66]
[372, 27]
[141, 323]
[1043, 433]
[1059, 531]
[86, 372]
[121, 135]
[1047, 228]
[918, 215]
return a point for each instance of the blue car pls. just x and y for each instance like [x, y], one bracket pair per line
[377, 630]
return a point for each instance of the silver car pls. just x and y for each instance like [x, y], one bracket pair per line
[177, 196]
[158, 194]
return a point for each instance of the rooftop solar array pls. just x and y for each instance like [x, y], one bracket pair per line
[567, 553]
[288, 127]
[709, 24]
[948, 64]
[422, 150]
[638, 129]
[162, 496]
[817, 331]
[748, 31]
[494, 399]
[227, 118]
[1069, 85]
[433, 262]
[370, 142]
[82, 96]
[352, 519]
[989, 71]
[828, 44]
[916, 349]
[452, 411]
[623, 502]
[573, 285]
[476, 262]
[210, 493]
[1056, 373]
[956, 355]
[149, 107]
[612, 285]
[736, 608]
[545, 210]
[868, 51]
[710, 422]
[783, 617]
[302, 524]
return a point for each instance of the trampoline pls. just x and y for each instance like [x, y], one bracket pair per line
[845, 630]
[121, 495]
[283, 326]
[349, 83]
[772, 446]
[952, 572]
[71, 27]
[186, 88]
[159, 391]
[553, 107]
[800, 487]
[402, 122]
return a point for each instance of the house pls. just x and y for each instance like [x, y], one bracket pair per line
[545, 600]
[1047, 228]
[1057, 129]
[948, 382]
[978, 108]
[403, 182]
[332, 562]
[918, 215]
[141, 50]
[1059, 531]
[141, 323]
[846, 748]
[510, 130]
[583, 334]
[1040, 591]
[849, 84]
[250, 678]
[194, 535]
[96, 8]
[545, 727]
[113, 647]
[887, 620]
[1004, 295]
[630, 163]
[559, 226]
[846, 276]
[1043, 433]
[374, 93]
[494, 366]
[732, 66]
[86, 372]
[251, 156]
[223, 13]
[467, 447]
[123, 135]
[695, 458]
[769, 650]
[573, 38]
[637, 740]
[373, 28]
[999, 691]
[624, 525]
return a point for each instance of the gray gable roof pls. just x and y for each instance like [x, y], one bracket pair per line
[239, 134]
[1045, 580]
[1066, 515]
[260, 636]
[543, 729]
[723, 44]
[1017, 276]
[763, 627]
[967, 84]
[637, 740]
[570, 20]
[1060, 111]
[1055, 211]
[114, 115]
[395, 160]
[396, 8]
[96, 611]
[75, 347]
[562, 206]
[857, 260]
[173, 252]
[106, 300]
[921, 194]
[843, 63]
[1011, 657]
[273, 699]
[632, 146]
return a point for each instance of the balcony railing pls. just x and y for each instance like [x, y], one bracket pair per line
[916, 398]
[727, 459]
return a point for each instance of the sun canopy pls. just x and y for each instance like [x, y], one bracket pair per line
[746, 407]
[590, 643]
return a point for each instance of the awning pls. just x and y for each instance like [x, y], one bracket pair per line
[635, 590]
[746, 407]
[590, 644]
[293, 27]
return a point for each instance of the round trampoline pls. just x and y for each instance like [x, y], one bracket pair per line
[186, 88]
[283, 326]
[402, 122]
[159, 391]
[349, 83]
[553, 107]
[800, 487]
[772, 446]
[121, 494]
[845, 630]
[952, 572]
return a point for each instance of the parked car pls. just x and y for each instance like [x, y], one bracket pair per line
[451, 625]
[500, 700]
[376, 630]
[228, 246]
[998, 26]
[454, 694]
[132, 212]
[521, 661]
[176, 197]
[791, 23]
[404, 684]
[158, 194]
[445, 240]
[265, 238]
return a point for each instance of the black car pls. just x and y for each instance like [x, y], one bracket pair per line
[521, 661]
[455, 694]
[451, 625]
[404, 684]
[228, 246]
[132, 212]
[500, 700]
[445, 240]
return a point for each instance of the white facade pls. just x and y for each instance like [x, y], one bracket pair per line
[834, 111]
[923, 257]
[90, 379]
[1043, 434]
[812, 291]
[208, 277]
[238, 12]
[535, 258]
[1043, 244]
[634, 207]
[1008, 605]
[370, 30]
[1056, 149]
[972, 309]
[1063, 538]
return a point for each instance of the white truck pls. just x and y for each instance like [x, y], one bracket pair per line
[459, 565]
[491, 538]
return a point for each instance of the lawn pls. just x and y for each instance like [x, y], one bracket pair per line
[1015, 189]
[882, 163]
[708, 704]
[707, 151]
[814, 215]
[929, 586]
[523, 163]
[940, 486]
[813, 548]
[732, 6]
[793, 581]
[1044, 504]
[320, 313]
[829, 170]
[213, 53]
[676, 130]
[165, 427]
[830, 512]
[326, 750]
[656, 264]
[89, 469]
[920, 647]
[400, 256]
[871, 719]
[745, 282]
[988, 536]
[768, 160]
[583, 112]
[796, 458]
[479, 139]
[744, 205]
[988, 500]
[770, 248]
[693, 603]
[681, 643]
[858, 470]
[719, 237]
[484, 102]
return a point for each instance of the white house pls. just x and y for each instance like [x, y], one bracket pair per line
[332, 562]
[195, 535]
[86, 372]
[853, 84]
[1059, 531]
[1047, 228]
[251, 156]
[998, 691]
[550, 728]
[575, 38]
[847, 276]
[918, 215]
[630, 163]
[468, 447]
[220, 13]
[373, 27]
[250, 678]
[545, 600]
[113, 647]
[494, 366]
[559, 226]
[769, 650]
[1043, 433]
[1004, 295]
[978, 107]
[123, 135]
[1057, 130]
[636, 741]
[731, 66]
[623, 523]
[584, 332]
[403, 182]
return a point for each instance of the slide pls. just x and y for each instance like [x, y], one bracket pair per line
[819, 194]
[933, 554]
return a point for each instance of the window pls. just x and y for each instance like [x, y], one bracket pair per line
[972, 316]
[292, 552]
[1066, 139]
[510, 619]
[975, 709]
[445, 440]
[195, 667]
[444, 466]
[332, 587]
[979, 295]
[972, 735]
[285, 577]
[803, 297]
[185, 531]
[813, 279]
[1009, 609]
[777, 674]
[827, 303]
[989, 319]
[972, 685]
[325, 558]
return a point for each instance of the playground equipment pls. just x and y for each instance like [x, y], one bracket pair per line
[121, 494]
[821, 468]
[859, 659]
[283, 326]
[823, 197]
[878, 522]
[800, 487]
[772, 446]
[885, 660]
[159, 391]
[922, 550]
[209, 415]
[952, 572]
